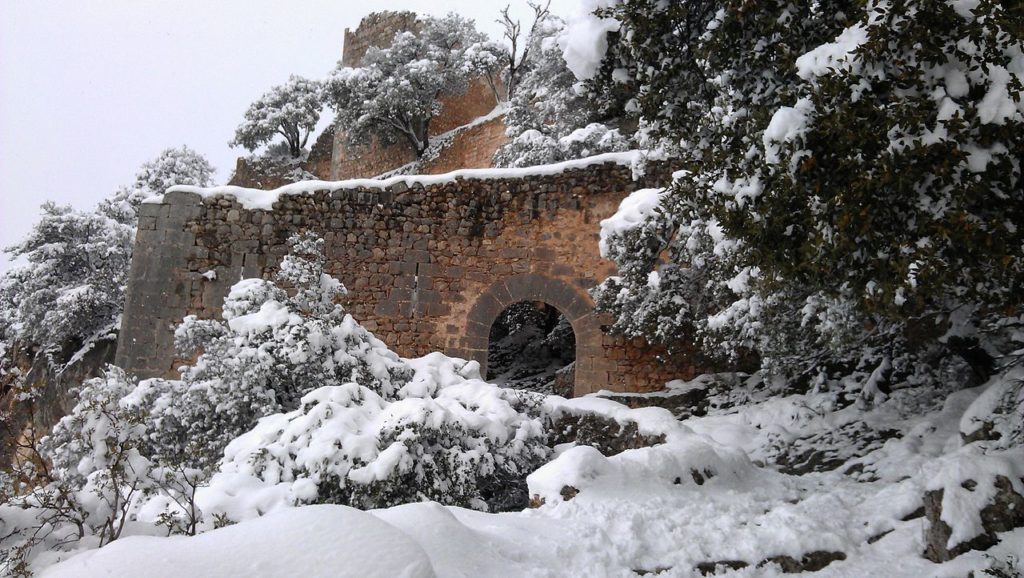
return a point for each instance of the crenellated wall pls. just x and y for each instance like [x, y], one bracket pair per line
[430, 262]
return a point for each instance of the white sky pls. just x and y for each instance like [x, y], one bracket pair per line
[91, 89]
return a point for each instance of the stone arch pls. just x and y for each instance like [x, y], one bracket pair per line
[572, 302]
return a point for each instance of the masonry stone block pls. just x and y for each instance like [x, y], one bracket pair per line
[181, 198]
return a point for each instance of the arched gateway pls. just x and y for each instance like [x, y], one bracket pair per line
[430, 262]
[572, 302]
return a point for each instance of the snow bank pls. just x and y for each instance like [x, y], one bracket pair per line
[468, 544]
[686, 463]
[695, 499]
[962, 502]
[328, 541]
[260, 199]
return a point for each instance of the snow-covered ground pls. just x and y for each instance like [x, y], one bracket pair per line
[716, 491]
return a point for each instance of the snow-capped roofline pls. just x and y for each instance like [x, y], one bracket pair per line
[265, 199]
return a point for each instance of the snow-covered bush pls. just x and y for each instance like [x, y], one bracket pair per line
[91, 480]
[269, 351]
[79, 484]
[853, 194]
[595, 138]
[442, 437]
[396, 91]
[290, 110]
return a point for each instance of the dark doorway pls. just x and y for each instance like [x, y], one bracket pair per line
[532, 346]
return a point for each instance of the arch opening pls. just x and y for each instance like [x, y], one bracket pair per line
[532, 346]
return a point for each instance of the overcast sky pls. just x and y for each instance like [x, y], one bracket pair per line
[91, 89]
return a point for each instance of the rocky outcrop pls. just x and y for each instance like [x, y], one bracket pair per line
[810, 562]
[54, 385]
[1004, 513]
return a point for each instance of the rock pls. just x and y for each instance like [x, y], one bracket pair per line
[711, 568]
[602, 433]
[1005, 513]
[810, 562]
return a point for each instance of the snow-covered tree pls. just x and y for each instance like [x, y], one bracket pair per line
[515, 59]
[72, 286]
[290, 110]
[82, 484]
[396, 91]
[548, 119]
[269, 351]
[854, 186]
[73, 283]
[173, 166]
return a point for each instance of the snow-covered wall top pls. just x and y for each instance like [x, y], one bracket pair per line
[263, 199]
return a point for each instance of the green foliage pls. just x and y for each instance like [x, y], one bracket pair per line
[290, 110]
[855, 187]
[396, 91]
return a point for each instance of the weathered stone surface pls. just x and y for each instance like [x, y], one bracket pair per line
[604, 434]
[56, 386]
[422, 287]
[1005, 513]
[810, 562]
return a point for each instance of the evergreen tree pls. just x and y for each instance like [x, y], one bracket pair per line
[854, 186]
[396, 91]
[290, 110]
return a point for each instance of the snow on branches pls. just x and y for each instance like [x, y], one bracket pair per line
[854, 191]
[290, 110]
[396, 91]
[548, 120]
[72, 287]
[73, 284]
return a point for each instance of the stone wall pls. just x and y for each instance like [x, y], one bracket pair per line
[378, 30]
[460, 109]
[429, 267]
[471, 148]
[352, 161]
